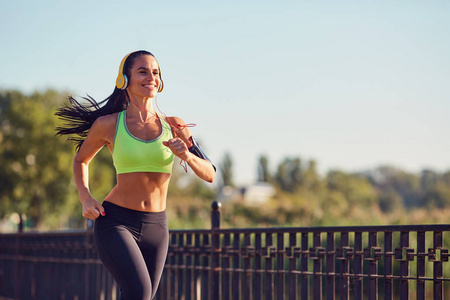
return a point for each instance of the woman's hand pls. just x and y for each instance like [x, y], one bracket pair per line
[92, 209]
[201, 167]
[178, 148]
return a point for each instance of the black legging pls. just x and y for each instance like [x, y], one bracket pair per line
[133, 247]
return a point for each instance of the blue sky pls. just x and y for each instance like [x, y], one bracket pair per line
[350, 84]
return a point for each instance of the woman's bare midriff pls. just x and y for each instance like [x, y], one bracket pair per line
[141, 191]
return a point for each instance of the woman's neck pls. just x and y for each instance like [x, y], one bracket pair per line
[142, 108]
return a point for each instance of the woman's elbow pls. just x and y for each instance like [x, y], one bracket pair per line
[210, 179]
[210, 176]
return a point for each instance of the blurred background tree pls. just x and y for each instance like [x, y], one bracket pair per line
[36, 166]
[226, 170]
[264, 174]
[35, 177]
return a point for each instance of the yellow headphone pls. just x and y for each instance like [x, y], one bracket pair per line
[122, 80]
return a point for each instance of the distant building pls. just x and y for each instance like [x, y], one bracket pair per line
[256, 193]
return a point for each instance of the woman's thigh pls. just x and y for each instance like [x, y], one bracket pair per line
[119, 252]
[154, 243]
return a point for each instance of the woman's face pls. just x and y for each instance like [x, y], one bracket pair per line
[144, 77]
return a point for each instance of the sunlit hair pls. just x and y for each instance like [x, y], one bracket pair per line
[78, 118]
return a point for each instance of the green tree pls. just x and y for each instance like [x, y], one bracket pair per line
[311, 179]
[289, 174]
[263, 169]
[435, 189]
[226, 170]
[355, 188]
[36, 166]
[392, 183]
[390, 200]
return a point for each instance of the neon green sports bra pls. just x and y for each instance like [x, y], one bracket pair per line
[131, 154]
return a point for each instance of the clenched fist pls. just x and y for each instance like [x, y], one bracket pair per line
[92, 209]
[178, 148]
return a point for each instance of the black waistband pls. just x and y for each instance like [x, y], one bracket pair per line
[112, 209]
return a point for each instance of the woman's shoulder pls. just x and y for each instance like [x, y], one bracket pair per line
[106, 122]
[107, 119]
[175, 121]
[104, 128]
[180, 126]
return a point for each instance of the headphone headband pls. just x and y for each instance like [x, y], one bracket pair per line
[122, 80]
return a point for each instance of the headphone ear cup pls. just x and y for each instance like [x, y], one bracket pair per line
[122, 81]
[161, 86]
[125, 85]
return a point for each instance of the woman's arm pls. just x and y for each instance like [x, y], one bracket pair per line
[95, 141]
[180, 144]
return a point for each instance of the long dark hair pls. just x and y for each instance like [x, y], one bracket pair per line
[78, 118]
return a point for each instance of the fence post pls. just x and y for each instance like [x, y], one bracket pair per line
[215, 255]
[215, 215]
[438, 286]
[21, 224]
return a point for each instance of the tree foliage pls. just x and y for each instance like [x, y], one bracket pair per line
[226, 170]
[289, 174]
[34, 162]
[263, 169]
[36, 166]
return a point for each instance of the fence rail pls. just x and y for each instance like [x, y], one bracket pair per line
[359, 262]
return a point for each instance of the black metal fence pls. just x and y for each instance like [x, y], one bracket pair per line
[361, 262]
